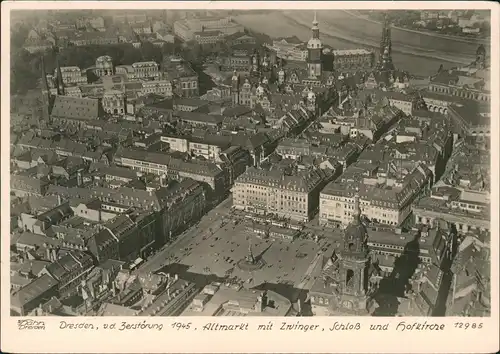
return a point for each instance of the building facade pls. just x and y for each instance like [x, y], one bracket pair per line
[294, 197]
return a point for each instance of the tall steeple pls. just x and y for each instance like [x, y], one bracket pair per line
[315, 27]
[60, 82]
[46, 96]
[385, 57]
[45, 85]
[314, 51]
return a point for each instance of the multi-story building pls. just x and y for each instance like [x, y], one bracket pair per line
[290, 48]
[146, 70]
[470, 293]
[186, 204]
[94, 38]
[186, 29]
[171, 301]
[113, 102]
[471, 82]
[92, 22]
[403, 102]
[75, 111]
[34, 294]
[234, 62]
[157, 87]
[352, 59]
[389, 203]
[184, 79]
[208, 37]
[72, 75]
[189, 104]
[467, 210]
[293, 196]
[69, 271]
[226, 300]
[160, 164]
[471, 119]
[36, 46]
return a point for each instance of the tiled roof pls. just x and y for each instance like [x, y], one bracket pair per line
[27, 184]
[34, 290]
[75, 108]
[201, 117]
[304, 181]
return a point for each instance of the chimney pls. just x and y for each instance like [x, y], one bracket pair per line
[54, 255]
[59, 201]
[48, 254]
[176, 277]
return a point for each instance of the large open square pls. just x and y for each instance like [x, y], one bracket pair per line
[220, 252]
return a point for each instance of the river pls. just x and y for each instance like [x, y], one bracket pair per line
[419, 53]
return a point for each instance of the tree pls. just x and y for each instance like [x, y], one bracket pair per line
[19, 35]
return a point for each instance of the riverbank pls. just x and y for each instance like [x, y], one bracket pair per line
[370, 37]
[422, 61]
[477, 41]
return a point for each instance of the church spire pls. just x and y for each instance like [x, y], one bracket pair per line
[385, 58]
[60, 83]
[315, 27]
[45, 85]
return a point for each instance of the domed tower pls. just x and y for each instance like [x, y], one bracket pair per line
[355, 263]
[235, 88]
[314, 50]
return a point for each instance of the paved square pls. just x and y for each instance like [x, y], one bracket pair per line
[284, 261]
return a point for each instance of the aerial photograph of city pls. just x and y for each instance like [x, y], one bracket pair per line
[250, 162]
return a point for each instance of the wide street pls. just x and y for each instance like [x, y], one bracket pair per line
[211, 220]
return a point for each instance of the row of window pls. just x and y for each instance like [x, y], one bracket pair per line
[189, 85]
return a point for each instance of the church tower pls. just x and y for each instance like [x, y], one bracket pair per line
[355, 263]
[46, 95]
[481, 57]
[387, 64]
[314, 50]
[60, 82]
[256, 63]
[235, 88]
[386, 44]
